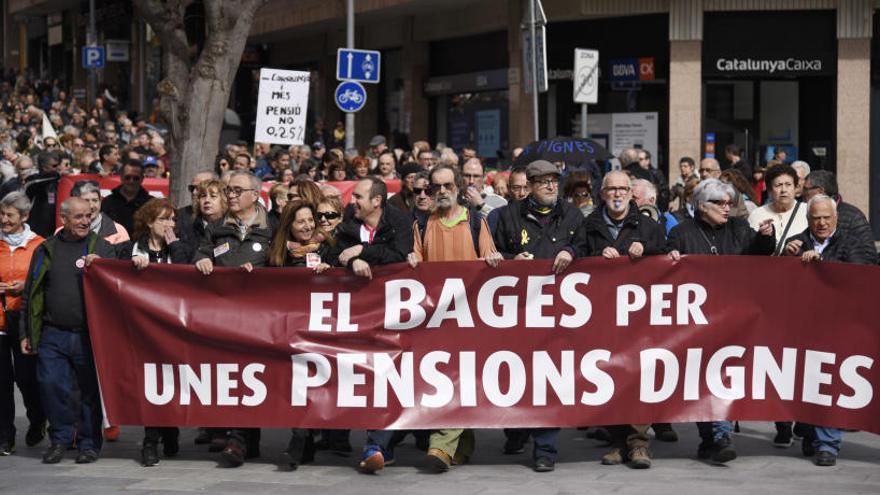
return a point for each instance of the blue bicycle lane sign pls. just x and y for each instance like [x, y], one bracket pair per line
[350, 96]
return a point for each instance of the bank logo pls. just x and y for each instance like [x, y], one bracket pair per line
[769, 66]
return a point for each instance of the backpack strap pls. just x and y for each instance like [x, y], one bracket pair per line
[476, 221]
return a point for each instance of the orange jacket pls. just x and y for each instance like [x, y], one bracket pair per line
[14, 266]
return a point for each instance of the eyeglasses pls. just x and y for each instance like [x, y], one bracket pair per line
[192, 188]
[549, 183]
[435, 188]
[614, 190]
[235, 192]
[328, 215]
[708, 170]
[721, 203]
[581, 195]
[417, 191]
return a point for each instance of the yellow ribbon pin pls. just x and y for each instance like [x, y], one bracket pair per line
[525, 238]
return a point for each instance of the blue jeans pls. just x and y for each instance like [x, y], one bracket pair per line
[828, 440]
[65, 356]
[715, 430]
[545, 443]
[380, 439]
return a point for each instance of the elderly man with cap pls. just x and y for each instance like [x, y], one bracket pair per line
[541, 226]
[377, 146]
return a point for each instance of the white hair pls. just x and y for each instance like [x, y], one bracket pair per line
[650, 189]
[711, 190]
[802, 166]
[821, 198]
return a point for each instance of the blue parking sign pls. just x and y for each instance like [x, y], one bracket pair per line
[93, 57]
[350, 96]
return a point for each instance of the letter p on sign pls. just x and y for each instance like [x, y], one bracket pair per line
[93, 57]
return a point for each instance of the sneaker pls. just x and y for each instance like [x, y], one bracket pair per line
[87, 456]
[544, 465]
[722, 450]
[372, 460]
[35, 434]
[612, 458]
[783, 438]
[7, 448]
[664, 432]
[639, 458]
[149, 455]
[111, 433]
[825, 458]
[54, 454]
[438, 461]
[233, 454]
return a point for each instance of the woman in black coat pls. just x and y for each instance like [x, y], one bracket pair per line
[300, 242]
[714, 231]
[156, 242]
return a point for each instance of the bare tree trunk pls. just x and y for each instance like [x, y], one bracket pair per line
[195, 91]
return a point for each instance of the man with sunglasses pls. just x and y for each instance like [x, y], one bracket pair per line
[541, 227]
[451, 233]
[240, 239]
[128, 197]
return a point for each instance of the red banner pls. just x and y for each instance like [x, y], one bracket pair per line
[465, 345]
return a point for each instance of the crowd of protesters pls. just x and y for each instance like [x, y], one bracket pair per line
[449, 208]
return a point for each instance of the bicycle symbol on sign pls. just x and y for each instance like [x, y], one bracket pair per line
[350, 96]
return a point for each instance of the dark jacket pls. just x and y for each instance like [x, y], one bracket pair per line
[177, 252]
[42, 190]
[33, 302]
[636, 228]
[232, 248]
[122, 210]
[403, 201]
[842, 247]
[392, 242]
[852, 222]
[519, 230]
[736, 237]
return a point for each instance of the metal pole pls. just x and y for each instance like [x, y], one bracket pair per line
[349, 43]
[584, 120]
[142, 59]
[534, 51]
[92, 40]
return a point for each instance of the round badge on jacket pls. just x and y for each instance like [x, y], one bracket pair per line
[257, 247]
[80, 263]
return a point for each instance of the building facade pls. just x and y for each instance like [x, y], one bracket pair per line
[676, 77]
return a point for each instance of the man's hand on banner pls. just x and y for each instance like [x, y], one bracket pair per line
[205, 266]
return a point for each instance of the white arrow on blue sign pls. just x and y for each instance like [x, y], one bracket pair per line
[357, 65]
[93, 57]
[350, 96]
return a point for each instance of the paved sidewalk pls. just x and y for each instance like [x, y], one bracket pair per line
[759, 469]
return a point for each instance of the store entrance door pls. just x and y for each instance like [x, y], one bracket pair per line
[760, 116]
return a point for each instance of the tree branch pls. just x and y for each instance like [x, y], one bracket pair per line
[167, 20]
